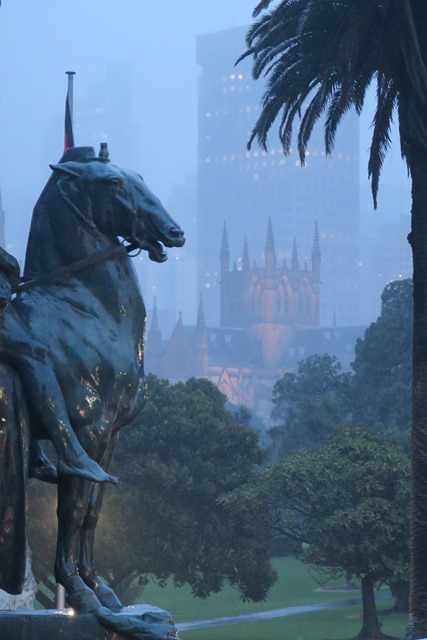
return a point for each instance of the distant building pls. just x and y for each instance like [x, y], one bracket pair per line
[269, 322]
[247, 187]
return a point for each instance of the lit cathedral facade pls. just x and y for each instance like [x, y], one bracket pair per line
[269, 322]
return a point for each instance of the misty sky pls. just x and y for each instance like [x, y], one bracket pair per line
[39, 41]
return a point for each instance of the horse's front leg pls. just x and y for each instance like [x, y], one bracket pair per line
[87, 570]
[73, 498]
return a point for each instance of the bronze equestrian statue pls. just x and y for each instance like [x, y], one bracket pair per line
[71, 346]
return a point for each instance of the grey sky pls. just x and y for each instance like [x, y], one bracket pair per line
[39, 41]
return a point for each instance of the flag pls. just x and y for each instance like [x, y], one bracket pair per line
[68, 126]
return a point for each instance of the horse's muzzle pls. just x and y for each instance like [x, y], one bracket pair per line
[174, 238]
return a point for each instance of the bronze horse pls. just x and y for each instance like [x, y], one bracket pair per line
[92, 318]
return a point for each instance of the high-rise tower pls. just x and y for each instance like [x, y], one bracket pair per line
[245, 188]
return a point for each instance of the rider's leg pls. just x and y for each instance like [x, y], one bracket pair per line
[44, 397]
[47, 406]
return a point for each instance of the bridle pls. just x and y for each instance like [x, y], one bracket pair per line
[69, 270]
[79, 265]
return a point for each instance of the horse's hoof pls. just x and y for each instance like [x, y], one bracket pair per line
[105, 594]
[83, 599]
[108, 598]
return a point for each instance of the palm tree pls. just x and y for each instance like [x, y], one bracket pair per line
[320, 57]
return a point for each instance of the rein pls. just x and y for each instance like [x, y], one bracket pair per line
[53, 276]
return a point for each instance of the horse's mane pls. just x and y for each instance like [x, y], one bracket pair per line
[81, 154]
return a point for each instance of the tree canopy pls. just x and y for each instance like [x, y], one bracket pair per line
[175, 465]
[345, 505]
[382, 380]
[311, 404]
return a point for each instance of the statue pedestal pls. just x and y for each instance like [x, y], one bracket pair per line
[69, 625]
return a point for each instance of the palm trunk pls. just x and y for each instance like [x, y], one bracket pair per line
[370, 627]
[418, 240]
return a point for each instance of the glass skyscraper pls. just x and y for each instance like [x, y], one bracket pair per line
[245, 188]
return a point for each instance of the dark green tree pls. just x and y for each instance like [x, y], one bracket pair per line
[382, 380]
[309, 405]
[312, 403]
[320, 57]
[345, 506]
[166, 519]
[175, 465]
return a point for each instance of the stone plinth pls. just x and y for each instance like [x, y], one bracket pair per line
[68, 625]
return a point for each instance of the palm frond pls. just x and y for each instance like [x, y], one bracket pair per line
[313, 112]
[383, 119]
[327, 53]
[261, 6]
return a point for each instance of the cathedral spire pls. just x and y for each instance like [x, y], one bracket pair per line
[225, 251]
[270, 252]
[316, 255]
[154, 333]
[294, 259]
[200, 354]
[154, 340]
[246, 265]
[200, 324]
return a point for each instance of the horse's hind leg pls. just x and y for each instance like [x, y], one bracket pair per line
[73, 497]
[87, 570]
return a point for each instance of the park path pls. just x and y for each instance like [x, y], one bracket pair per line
[273, 613]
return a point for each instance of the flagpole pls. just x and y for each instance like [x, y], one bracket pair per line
[70, 75]
[68, 125]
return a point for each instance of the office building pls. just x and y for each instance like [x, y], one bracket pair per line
[245, 188]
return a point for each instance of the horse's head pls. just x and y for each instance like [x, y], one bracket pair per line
[117, 202]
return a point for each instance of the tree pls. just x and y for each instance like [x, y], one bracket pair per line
[166, 518]
[175, 465]
[345, 506]
[310, 404]
[326, 54]
[382, 380]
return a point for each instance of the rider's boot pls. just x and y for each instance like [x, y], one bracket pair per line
[72, 458]
[74, 463]
[77, 463]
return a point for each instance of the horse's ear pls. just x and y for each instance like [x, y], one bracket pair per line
[72, 169]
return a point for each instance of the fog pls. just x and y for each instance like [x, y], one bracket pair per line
[154, 129]
[39, 41]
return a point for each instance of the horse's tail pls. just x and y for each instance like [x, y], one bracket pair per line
[14, 451]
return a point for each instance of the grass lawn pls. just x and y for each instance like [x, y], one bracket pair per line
[321, 625]
[295, 586]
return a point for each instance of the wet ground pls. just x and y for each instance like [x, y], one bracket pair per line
[274, 613]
